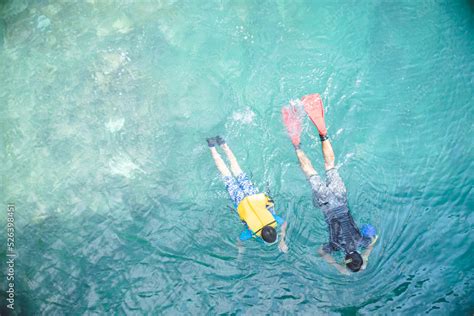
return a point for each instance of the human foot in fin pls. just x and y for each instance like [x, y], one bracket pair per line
[211, 142]
[313, 106]
[220, 140]
[292, 122]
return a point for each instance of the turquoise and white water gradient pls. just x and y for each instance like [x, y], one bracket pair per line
[104, 110]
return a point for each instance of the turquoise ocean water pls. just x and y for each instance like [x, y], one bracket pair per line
[104, 110]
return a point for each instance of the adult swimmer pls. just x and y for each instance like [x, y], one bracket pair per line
[330, 196]
[255, 209]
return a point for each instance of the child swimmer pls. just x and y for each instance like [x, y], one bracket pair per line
[254, 209]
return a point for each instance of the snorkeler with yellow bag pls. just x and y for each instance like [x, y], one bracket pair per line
[255, 209]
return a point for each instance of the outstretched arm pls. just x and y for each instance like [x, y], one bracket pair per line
[240, 248]
[282, 244]
[366, 253]
[329, 259]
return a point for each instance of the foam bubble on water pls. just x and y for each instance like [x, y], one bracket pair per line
[346, 158]
[243, 33]
[339, 131]
[123, 166]
[245, 117]
[115, 125]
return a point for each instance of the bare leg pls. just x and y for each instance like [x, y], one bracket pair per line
[319, 188]
[328, 154]
[305, 163]
[234, 165]
[220, 164]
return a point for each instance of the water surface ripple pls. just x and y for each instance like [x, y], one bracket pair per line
[104, 109]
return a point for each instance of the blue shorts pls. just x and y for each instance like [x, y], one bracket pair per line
[239, 187]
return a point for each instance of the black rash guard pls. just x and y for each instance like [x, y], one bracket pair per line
[343, 232]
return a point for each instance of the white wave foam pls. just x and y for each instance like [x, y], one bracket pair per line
[245, 117]
[115, 125]
[123, 166]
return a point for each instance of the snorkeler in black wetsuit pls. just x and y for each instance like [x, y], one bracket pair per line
[330, 196]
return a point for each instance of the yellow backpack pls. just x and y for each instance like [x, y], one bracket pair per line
[253, 210]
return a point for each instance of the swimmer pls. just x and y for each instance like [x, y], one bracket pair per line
[330, 196]
[255, 209]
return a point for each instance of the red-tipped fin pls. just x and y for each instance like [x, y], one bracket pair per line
[313, 106]
[292, 123]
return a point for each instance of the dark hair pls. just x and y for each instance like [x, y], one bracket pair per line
[355, 261]
[269, 234]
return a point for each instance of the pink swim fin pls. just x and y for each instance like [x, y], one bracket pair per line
[313, 106]
[292, 123]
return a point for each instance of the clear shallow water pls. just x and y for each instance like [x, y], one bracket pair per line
[104, 111]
